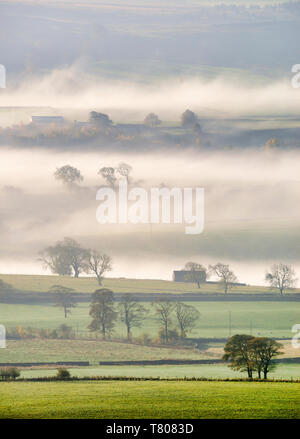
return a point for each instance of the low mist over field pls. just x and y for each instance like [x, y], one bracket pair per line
[251, 210]
[220, 97]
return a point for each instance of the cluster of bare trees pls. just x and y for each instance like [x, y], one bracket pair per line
[68, 258]
[281, 277]
[199, 274]
[131, 313]
[185, 317]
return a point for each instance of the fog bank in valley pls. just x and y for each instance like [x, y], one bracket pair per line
[251, 210]
[75, 87]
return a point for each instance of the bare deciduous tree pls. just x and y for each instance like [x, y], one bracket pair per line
[164, 310]
[281, 277]
[187, 317]
[227, 276]
[131, 313]
[197, 273]
[99, 264]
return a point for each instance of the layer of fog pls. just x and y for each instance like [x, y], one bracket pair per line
[75, 88]
[251, 210]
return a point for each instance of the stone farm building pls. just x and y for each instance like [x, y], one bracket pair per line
[185, 276]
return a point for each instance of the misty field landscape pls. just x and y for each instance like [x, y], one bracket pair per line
[149, 209]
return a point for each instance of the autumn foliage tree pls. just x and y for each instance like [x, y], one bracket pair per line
[251, 354]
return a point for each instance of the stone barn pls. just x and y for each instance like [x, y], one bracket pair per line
[185, 276]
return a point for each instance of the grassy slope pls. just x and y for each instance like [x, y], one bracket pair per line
[42, 283]
[38, 350]
[149, 400]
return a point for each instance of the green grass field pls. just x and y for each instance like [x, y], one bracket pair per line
[283, 371]
[272, 319]
[261, 318]
[127, 400]
[42, 283]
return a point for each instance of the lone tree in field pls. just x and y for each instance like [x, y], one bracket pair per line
[263, 351]
[164, 310]
[109, 175]
[239, 354]
[281, 277]
[152, 120]
[187, 317]
[69, 175]
[131, 313]
[103, 312]
[98, 263]
[197, 273]
[65, 258]
[63, 297]
[226, 276]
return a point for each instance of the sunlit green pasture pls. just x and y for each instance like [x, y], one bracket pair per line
[151, 399]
